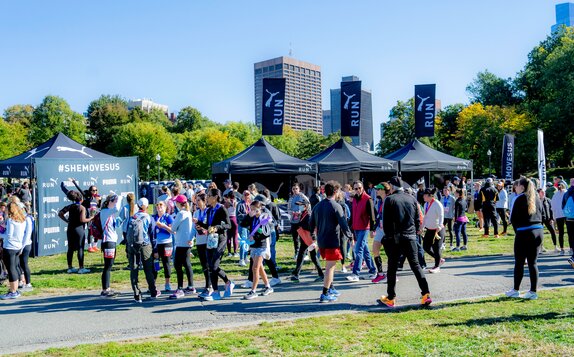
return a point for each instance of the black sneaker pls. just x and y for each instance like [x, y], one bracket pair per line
[138, 298]
[294, 278]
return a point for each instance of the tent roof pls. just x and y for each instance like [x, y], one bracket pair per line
[261, 158]
[58, 147]
[344, 157]
[416, 156]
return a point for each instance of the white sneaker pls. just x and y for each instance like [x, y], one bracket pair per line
[434, 270]
[229, 255]
[306, 259]
[372, 276]
[353, 277]
[557, 250]
[83, 271]
[247, 285]
[274, 281]
[344, 270]
[530, 296]
[236, 255]
[242, 263]
[512, 293]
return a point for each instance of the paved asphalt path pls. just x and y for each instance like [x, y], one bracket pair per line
[36, 323]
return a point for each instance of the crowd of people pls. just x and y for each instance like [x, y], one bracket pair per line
[333, 224]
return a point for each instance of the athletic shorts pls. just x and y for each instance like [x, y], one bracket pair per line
[379, 234]
[260, 252]
[331, 253]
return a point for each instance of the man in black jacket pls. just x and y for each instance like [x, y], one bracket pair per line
[488, 197]
[329, 219]
[401, 225]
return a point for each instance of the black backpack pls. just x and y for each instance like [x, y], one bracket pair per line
[135, 233]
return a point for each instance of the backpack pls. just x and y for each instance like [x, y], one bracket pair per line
[569, 208]
[96, 229]
[135, 233]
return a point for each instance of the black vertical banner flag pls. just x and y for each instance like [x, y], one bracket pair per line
[273, 113]
[350, 108]
[425, 110]
[508, 157]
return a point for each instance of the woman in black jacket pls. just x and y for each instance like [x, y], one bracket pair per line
[526, 218]
[217, 223]
[460, 220]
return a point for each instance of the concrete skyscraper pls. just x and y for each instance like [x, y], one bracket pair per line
[564, 15]
[303, 109]
[366, 127]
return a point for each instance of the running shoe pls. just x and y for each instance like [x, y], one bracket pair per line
[562, 252]
[463, 247]
[434, 270]
[10, 295]
[177, 294]
[275, 281]
[327, 298]
[108, 294]
[190, 290]
[157, 294]
[229, 255]
[247, 285]
[242, 263]
[455, 249]
[215, 295]
[306, 259]
[426, 300]
[83, 271]
[318, 279]
[380, 278]
[442, 260]
[91, 250]
[250, 295]
[353, 277]
[294, 278]
[236, 255]
[334, 292]
[267, 291]
[72, 271]
[571, 261]
[484, 236]
[557, 250]
[496, 236]
[512, 293]
[385, 301]
[530, 295]
[167, 288]
[138, 298]
[27, 287]
[204, 294]
[96, 249]
[344, 270]
[229, 289]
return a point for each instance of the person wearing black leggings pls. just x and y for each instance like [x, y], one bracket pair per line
[433, 222]
[183, 240]
[200, 215]
[108, 214]
[13, 235]
[162, 223]
[526, 218]
[76, 232]
[25, 284]
[304, 224]
[547, 217]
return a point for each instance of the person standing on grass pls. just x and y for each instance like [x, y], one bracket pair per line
[477, 205]
[568, 209]
[434, 235]
[502, 205]
[558, 213]
[547, 217]
[230, 204]
[161, 227]
[401, 225]
[488, 197]
[305, 245]
[12, 234]
[460, 220]
[363, 220]
[295, 207]
[526, 218]
[383, 190]
[181, 228]
[76, 217]
[329, 220]
[242, 211]
[25, 284]
[448, 205]
[345, 243]
[200, 215]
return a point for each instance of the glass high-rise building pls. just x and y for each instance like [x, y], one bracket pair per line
[303, 109]
[365, 138]
[564, 15]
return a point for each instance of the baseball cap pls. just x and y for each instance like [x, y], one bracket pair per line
[143, 202]
[380, 187]
[180, 199]
[489, 180]
[396, 181]
[548, 184]
[456, 178]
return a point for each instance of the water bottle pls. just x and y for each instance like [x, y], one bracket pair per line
[157, 265]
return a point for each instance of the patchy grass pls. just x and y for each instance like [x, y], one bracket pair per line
[484, 327]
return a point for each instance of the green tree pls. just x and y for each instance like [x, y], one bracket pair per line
[447, 126]
[247, 133]
[14, 138]
[19, 113]
[399, 130]
[157, 116]
[145, 140]
[489, 89]
[54, 115]
[105, 115]
[190, 119]
[288, 142]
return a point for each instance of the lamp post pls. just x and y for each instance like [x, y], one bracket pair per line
[489, 153]
[158, 158]
[147, 178]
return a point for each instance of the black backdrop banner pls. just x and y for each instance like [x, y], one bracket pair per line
[425, 110]
[273, 106]
[350, 108]
[508, 157]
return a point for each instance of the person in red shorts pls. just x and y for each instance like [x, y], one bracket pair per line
[328, 218]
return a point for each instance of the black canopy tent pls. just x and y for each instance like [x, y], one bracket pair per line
[419, 158]
[345, 159]
[54, 162]
[265, 164]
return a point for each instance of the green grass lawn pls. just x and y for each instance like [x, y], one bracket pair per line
[49, 276]
[484, 327]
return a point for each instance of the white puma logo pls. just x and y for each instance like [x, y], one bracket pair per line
[346, 106]
[65, 148]
[268, 102]
[55, 181]
[34, 151]
[423, 100]
[56, 241]
[130, 177]
[94, 179]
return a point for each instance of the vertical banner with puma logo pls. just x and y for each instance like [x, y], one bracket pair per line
[425, 110]
[350, 108]
[508, 157]
[541, 160]
[273, 113]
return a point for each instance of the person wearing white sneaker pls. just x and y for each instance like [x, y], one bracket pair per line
[200, 233]
[530, 295]
[182, 228]
[512, 293]
[526, 218]
[12, 236]
[383, 190]
[433, 222]
[26, 248]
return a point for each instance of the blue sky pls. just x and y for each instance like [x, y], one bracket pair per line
[201, 53]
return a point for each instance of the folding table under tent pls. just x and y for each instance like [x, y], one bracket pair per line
[345, 163]
[263, 163]
[55, 161]
[419, 158]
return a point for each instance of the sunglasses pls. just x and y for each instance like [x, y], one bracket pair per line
[357, 188]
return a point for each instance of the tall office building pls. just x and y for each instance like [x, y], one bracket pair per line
[564, 15]
[327, 122]
[303, 110]
[365, 138]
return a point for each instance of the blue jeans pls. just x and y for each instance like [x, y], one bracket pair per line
[362, 252]
[460, 228]
[272, 246]
[243, 233]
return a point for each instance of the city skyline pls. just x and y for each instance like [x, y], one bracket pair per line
[202, 54]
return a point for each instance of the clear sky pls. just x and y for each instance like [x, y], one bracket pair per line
[201, 53]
